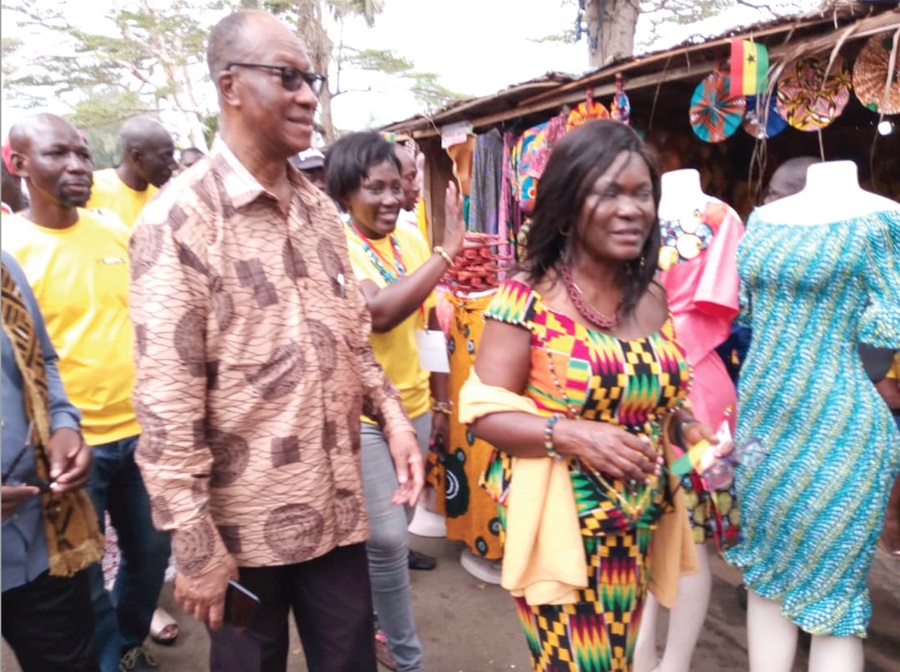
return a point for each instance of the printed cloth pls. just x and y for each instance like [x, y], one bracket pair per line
[471, 515]
[253, 368]
[487, 174]
[698, 269]
[812, 510]
[631, 384]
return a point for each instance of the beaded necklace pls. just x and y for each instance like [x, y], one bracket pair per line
[586, 310]
[631, 511]
[378, 259]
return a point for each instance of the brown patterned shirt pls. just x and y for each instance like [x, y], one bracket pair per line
[253, 365]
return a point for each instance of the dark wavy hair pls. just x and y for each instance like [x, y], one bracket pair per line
[349, 159]
[575, 164]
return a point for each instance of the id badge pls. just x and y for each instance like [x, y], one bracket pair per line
[432, 347]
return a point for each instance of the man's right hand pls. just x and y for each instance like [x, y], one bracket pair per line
[204, 595]
[13, 495]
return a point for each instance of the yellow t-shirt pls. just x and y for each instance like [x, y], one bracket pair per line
[396, 349]
[110, 193]
[80, 278]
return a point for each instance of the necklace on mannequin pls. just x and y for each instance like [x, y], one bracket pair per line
[587, 311]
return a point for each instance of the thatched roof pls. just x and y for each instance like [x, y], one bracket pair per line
[826, 28]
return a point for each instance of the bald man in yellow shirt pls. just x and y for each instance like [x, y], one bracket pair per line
[77, 263]
[148, 160]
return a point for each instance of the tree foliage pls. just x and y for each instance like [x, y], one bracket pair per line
[148, 56]
[609, 26]
[138, 57]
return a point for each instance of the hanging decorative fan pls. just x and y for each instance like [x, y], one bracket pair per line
[762, 122]
[715, 114]
[809, 98]
[589, 109]
[870, 75]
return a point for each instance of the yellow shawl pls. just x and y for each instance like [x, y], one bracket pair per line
[543, 559]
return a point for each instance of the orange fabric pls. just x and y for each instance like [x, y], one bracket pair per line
[471, 513]
[462, 156]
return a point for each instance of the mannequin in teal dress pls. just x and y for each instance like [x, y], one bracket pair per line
[820, 271]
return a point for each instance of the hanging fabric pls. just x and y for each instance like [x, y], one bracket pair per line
[487, 175]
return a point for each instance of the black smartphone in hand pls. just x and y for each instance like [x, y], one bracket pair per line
[38, 483]
[240, 605]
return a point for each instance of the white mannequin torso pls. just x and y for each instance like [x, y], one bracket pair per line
[681, 193]
[832, 194]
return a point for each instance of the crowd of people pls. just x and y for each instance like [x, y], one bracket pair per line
[219, 363]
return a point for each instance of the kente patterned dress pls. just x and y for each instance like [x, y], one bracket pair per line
[596, 377]
[698, 269]
[812, 510]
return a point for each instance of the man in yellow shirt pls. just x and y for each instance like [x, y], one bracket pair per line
[148, 160]
[77, 263]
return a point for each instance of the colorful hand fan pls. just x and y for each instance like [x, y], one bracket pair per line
[715, 114]
[585, 112]
[870, 74]
[808, 97]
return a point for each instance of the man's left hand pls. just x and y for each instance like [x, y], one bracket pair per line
[70, 460]
[410, 469]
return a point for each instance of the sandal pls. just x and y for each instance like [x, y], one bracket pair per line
[381, 650]
[163, 628]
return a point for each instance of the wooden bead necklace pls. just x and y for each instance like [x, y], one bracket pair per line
[584, 308]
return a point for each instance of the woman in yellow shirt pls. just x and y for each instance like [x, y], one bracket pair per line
[397, 274]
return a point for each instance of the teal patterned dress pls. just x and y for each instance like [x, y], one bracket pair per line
[813, 509]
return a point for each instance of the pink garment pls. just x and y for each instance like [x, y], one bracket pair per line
[703, 297]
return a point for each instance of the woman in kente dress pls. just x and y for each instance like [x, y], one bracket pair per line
[577, 371]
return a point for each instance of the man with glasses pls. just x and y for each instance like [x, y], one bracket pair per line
[148, 160]
[254, 367]
[47, 615]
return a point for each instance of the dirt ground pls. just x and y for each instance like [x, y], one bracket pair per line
[469, 626]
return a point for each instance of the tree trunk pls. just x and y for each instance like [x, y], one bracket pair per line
[319, 46]
[610, 29]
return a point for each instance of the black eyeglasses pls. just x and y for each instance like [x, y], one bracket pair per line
[292, 79]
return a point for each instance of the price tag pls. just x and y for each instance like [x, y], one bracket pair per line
[432, 347]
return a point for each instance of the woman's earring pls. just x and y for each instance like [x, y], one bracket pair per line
[643, 261]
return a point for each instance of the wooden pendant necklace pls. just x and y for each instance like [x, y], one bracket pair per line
[584, 309]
